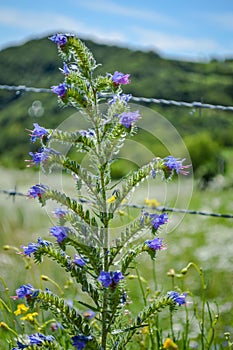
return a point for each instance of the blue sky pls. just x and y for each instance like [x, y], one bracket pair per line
[194, 30]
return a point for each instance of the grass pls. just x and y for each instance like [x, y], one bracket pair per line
[205, 241]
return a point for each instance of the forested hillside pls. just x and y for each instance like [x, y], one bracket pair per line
[36, 64]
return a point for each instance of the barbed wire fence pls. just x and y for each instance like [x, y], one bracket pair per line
[13, 193]
[195, 104]
[22, 88]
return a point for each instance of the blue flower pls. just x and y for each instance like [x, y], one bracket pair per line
[177, 297]
[175, 164]
[87, 133]
[128, 118]
[25, 290]
[65, 69]
[38, 338]
[59, 39]
[120, 78]
[59, 212]
[38, 132]
[60, 232]
[35, 339]
[43, 242]
[78, 261]
[124, 98]
[37, 157]
[80, 341]
[20, 346]
[60, 89]
[36, 191]
[116, 276]
[155, 244]
[158, 220]
[30, 249]
[110, 279]
[105, 278]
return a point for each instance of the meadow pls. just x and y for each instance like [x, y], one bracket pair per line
[104, 232]
[203, 240]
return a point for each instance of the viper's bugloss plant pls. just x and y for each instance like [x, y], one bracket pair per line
[98, 264]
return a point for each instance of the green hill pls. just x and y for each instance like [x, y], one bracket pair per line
[36, 64]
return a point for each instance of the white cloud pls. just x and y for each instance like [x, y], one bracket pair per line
[107, 6]
[171, 42]
[39, 22]
[29, 23]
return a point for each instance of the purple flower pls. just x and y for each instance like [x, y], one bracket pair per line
[59, 39]
[89, 314]
[124, 98]
[176, 297]
[128, 118]
[65, 69]
[116, 276]
[60, 89]
[155, 244]
[20, 346]
[105, 279]
[143, 216]
[80, 341]
[110, 279]
[59, 212]
[36, 191]
[120, 78]
[176, 164]
[60, 232]
[30, 249]
[87, 133]
[37, 157]
[43, 242]
[38, 338]
[37, 132]
[25, 290]
[78, 261]
[158, 220]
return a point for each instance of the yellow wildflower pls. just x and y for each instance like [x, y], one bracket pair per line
[145, 330]
[21, 309]
[170, 345]
[29, 317]
[152, 202]
[112, 199]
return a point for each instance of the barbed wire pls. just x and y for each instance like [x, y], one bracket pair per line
[23, 88]
[180, 210]
[19, 88]
[13, 193]
[162, 101]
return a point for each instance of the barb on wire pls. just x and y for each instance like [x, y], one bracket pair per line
[14, 193]
[134, 98]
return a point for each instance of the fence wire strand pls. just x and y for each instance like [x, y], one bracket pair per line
[195, 104]
[23, 88]
[13, 193]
